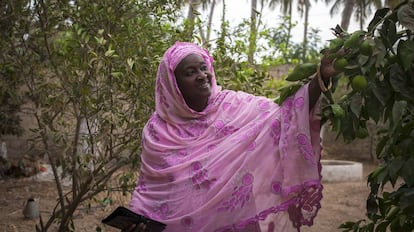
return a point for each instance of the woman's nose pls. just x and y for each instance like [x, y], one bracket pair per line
[202, 75]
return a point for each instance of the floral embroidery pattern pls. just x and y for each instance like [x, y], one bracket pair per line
[192, 129]
[306, 206]
[175, 157]
[299, 102]
[250, 133]
[211, 147]
[275, 131]
[276, 187]
[197, 127]
[141, 187]
[199, 176]
[161, 212]
[264, 104]
[240, 196]
[222, 130]
[162, 99]
[187, 221]
[251, 147]
[152, 132]
[305, 147]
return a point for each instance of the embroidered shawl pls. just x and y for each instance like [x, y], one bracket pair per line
[242, 164]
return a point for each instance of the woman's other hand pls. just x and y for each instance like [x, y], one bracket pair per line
[141, 227]
[327, 70]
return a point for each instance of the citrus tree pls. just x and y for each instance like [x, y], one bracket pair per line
[376, 76]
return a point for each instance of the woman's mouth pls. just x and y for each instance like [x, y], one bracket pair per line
[205, 85]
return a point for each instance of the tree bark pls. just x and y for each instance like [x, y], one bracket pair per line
[210, 20]
[253, 33]
[305, 32]
[347, 13]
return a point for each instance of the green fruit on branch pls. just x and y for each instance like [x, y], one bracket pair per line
[366, 48]
[359, 82]
[354, 40]
[335, 44]
[340, 64]
[302, 71]
[337, 110]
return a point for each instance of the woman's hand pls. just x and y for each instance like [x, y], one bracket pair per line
[141, 227]
[327, 70]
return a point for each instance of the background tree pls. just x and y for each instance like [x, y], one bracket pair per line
[88, 69]
[286, 9]
[360, 8]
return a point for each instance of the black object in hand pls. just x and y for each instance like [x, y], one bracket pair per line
[124, 219]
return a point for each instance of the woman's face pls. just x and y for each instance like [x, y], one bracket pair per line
[194, 81]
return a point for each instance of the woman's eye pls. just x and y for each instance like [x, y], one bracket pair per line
[203, 68]
[190, 72]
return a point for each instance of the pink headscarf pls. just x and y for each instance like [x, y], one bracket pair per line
[242, 164]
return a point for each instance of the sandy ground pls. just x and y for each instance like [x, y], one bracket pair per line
[341, 202]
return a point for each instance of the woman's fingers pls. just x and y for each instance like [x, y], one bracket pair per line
[141, 227]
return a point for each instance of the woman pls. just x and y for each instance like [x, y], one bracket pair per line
[220, 160]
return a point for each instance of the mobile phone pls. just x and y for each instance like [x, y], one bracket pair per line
[123, 218]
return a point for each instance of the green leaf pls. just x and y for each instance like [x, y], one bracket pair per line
[302, 71]
[356, 105]
[379, 15]
[382, 227]
[407, 172]
[394, 166]
[399, 81]
[407, 199]
[109, 53]
[406, 52]
[347, 127]
[373, 106]
[406, 16]
[380, 52]
[398, 110]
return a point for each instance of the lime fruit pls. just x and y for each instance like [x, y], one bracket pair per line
[365, 48]
[339, 64]
[359, 83]
[337, 110]
[335, 44]
[354, 40]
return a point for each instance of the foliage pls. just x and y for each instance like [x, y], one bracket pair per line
[274, 48]
[10, 82]
[89, 69]
[390, 75]
[379, 73]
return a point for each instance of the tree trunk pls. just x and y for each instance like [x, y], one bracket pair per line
[189, 27]
[210, 20]
[289, 32]
[253, 33]
[305, 32]
[347, 13]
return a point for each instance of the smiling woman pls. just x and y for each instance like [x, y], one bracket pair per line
[194, 81]
[220, 160]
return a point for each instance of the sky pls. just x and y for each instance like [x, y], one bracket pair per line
[319, 18]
